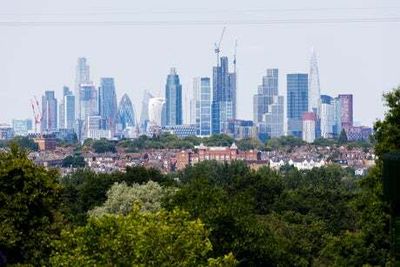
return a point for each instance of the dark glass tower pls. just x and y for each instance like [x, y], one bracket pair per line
[108, 103]
[173, 97]
[297, 102]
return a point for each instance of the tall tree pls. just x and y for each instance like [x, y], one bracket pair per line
[29, 217]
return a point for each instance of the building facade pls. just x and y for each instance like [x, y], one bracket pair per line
[224, 96]
[314, 93]
[173, 99]
[297, 102]
[108, 103]
[49, 112]
[309, 124]
[346, 110]
[126, 117]
[274, 118]
[21, 127]
[327, 116]
[202, 103]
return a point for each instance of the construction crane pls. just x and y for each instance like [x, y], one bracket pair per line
[234, 57]
[37, 115]
[217, 48]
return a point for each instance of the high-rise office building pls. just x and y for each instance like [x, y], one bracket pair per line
[337, 117]
[314, 90]
[88, 107]
[297, 102]
[66, 110]
[82, 76]
[309, 124]
[327, 116]
[108, 103]
[126, 116]
[265, 95]
[202, 102]
[173, 97]
[49, 112]
[224, 96]
[274, 118]
[144, 114]
[346, 107]
[157, 112]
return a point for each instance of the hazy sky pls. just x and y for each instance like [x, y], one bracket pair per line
[146, 38]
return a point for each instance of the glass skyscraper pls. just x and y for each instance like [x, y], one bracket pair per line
[297, 102]
[144, 114]
[67, 110]
[126, 113]
[88, 107]
[202, 102]
[314, 93]
[327, 116]
[224, 96]
[173, 96]
[49, 112]
[108, 103]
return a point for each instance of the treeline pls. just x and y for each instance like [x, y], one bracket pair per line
[211, 214]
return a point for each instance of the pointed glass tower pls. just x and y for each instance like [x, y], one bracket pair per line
[314, 93]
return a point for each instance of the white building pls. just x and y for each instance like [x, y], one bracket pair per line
[309, 122]
[157, 111]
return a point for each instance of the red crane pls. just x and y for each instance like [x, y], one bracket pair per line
[37, 115]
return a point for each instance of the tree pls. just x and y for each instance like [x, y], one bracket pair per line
[342, 137]
[25, 143]
[103, 146]
[29, 203]
[249, 144]
[121, 198]
[137, 239]
[387, 131]
[74, 161]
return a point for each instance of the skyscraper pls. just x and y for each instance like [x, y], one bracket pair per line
[67, 110]
[21, 127]
[265, 95]
[202, 102]
[297, 102]
[309, 123]
[88, 107]
[157, 110]
[224, 96]
[327, 116]
[108, 103]
[82, 76]
[274, 117]
[49, 112]
[144, 114]
[314, 93]
[126, 116]
[346, 110]
[173, 96]
[337, 117]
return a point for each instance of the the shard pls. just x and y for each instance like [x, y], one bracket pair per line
[314, 93]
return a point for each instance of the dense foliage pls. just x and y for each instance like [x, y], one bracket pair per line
[137, 239]
[29, 202]
[210, 214]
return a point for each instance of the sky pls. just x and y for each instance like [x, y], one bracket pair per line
[137, 42]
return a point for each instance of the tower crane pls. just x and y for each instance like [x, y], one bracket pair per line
[234, 56]
[37, 115]
[217, 46]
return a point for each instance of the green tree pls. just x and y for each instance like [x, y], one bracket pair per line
[74, 161]
[29, 201]
[103, 146]
[121, 198]
[25, 143]
[387, 131]
[138, 239]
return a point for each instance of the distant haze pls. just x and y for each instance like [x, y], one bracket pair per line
[354, 55]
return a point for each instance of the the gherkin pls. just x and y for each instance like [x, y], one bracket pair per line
[126, 115]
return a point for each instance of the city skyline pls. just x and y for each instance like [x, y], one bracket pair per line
[349, 60]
